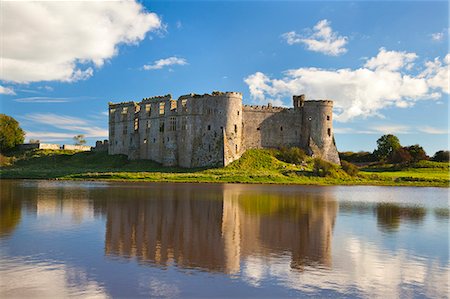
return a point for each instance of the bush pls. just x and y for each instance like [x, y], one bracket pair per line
[322, 168]
[293, 155]
[349, 168]
[441, 156]
[417, 152]
[400, 156]
[359, 157]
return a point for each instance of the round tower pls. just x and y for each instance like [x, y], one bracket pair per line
[317, 130]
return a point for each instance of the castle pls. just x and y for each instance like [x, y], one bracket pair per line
[216, 129]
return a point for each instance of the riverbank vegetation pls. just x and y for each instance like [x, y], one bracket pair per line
[255, 166]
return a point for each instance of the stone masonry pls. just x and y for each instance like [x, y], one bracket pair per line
[216, 129]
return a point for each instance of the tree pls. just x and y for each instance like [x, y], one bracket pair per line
[79, 139]
[441, 156]
[10, 133]
[387, 144]
[400, 155]
[417, 153]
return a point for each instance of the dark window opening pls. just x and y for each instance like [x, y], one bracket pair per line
[209, 127]
[258, 128]
[235, 128]
[328, 117]
[209, 147]
[215, 134]
[167, 139]
[281, 128]
[329, 132]
[238, 112]
[236, 149]
[154, 140]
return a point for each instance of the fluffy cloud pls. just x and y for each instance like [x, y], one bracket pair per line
[391, 60]
[159, 64]
[383, 81]
[51, 40]
[6, 90]
[322, 39]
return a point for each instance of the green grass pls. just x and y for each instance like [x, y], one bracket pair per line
[255, 166]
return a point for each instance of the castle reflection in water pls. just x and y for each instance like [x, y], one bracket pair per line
[214, 230]
[210, 227]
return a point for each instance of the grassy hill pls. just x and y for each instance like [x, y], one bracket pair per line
[255, 166]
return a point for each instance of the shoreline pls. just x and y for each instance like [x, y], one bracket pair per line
[315, 184]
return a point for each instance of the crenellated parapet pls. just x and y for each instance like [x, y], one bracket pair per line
[263, 108]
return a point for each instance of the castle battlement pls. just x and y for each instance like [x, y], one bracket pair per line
[215, 129]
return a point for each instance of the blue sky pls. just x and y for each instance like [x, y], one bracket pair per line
[384, 64]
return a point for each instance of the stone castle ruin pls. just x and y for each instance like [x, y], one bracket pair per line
[216, 129]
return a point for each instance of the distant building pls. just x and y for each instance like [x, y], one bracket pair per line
[216, 129]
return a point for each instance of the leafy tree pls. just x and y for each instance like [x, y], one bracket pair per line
[441, 156]
[387, 144]
[10, 133]
[79, 139]
[400, 155]
[417, 153]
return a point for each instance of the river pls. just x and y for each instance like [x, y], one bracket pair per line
[106, 239]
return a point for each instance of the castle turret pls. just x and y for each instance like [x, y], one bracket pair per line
[317, 130]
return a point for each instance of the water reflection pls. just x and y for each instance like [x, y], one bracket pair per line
[215, 230]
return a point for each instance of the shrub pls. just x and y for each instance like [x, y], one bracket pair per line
[441, 156]
[359, 157]
[349, 168]
[417, 152]
[322, 168]
[293, 155]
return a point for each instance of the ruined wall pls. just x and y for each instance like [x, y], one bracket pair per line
[70, 147]
[271, 127]
[121, 129]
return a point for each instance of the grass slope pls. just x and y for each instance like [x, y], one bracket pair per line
[255, 166]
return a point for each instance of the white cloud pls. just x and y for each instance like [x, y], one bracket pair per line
[437, 73]
[41, 100]
[51, 40]
[432, 130]
[70, 125]
[391, 60]
[438, 36]
[6, 90]
[159, 64]
[392, 129]
[322, 39]
[383, 81]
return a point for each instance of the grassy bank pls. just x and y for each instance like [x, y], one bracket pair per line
[256, 166]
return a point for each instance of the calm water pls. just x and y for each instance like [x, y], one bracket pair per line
[84, 239]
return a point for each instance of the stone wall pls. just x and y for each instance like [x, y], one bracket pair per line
[29, 146]
[70, 147]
